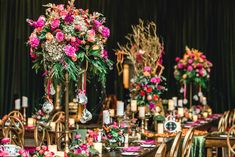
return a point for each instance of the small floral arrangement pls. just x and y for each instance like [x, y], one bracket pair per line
[69, 40]
[147, 88]
[113, 135]
[42, 151]
[80, 148]
[193, 67]
[41, 116]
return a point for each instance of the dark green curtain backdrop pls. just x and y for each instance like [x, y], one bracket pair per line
[207, 25]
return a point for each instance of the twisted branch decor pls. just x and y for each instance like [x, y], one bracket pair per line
[143, 49]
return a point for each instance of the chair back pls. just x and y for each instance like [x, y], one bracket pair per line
[161, 151]
[231, 145]
[13, 128]
[58, 116]
[175, 145]
[16, 114]
[41, 135]
[188, 140]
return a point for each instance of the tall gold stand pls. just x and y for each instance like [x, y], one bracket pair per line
[191, 95]
[66, 113]
[24, 115]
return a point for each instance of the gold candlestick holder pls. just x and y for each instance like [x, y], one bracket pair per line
[119, 119]
[57, 100]
[24, 115]
[133, 114]
[142, 125]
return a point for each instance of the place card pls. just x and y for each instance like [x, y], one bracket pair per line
[120, 108]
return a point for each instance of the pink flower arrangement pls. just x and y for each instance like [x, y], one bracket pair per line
[42, 151]
[194, 67]
[66, 37]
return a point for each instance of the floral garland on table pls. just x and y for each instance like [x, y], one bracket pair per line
[145, 51]
[113, 135]
[69, 40]
[80, 148]
[193, 67]
[42, 151]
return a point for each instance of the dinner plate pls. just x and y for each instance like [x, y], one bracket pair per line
[148, 145]
[130, 153]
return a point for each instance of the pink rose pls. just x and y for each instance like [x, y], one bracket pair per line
[21, 151]
[69, 50]
[55, 23]
[147, 68]
[177, 59]
[180, 66]
[190, 61]
[155, 80]
[190, 68]
[60, 7]
[105, 32]
[59, 36]
[33, 40]
[91, 35]
[63, 14]
[5, 140]
[78, 151]
[44, 148]
[78, 136]
[203, 56]
[84, 146]
[199, 66]
[38, 148]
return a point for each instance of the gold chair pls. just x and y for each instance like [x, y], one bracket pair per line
[58, 116]
[161, 151]
[14, 129]
[188, 140]
[41, 135]
[175, 145]
[16, 114]
[231, 145]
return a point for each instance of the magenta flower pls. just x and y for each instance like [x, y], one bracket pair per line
[97, 23]
[190, 61]
[5, 140]
[59, 36]
[104, 54]
[199, 66]
[180, 66]
[78, 151]
[147, 69]
[32, 55]
[105, 31]
[69, 50]
[33, 40]
[201, 73]
[151, 106]
[55, 23]
[190, 68]
[69, 18]
[177, 59]
[84, 146]
[203, 56]
[155, 80]
[39, 23]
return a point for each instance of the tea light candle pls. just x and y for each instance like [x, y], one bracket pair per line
[160, 128]
[171, 106]
[205, 114]
[59, 154]
[98, 147]
[181, 111]
[24, 101]
[141, 111]
[52, 125]
[180, 103]
[195, 117]
[190, 115]
[204, 101]
[175, 101]
[120, 108]
[17, 104]
[52, 148]
[72, 122]
[31, 122]
[133, 105]
[106, 117]
[111, 112]
[209, 111]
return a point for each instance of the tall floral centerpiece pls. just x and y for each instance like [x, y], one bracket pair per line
[68, 42]
[145, 51]
[192, 68]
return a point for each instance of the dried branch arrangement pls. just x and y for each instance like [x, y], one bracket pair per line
[144, 49]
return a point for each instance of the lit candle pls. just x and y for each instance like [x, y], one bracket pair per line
[141, 111]
[126, 140]
[160, 128]
[31, 122]
[180, 103]
[181, 111]
[72, 122]
[52, 148]
[126, 76]
[17, 104]
[120, 108]
[111, 112]
[133, 105]
[52, 125]
[190, 115]
[98, 147]
[209, 111]
[204, 101]
[106, 117]
[24, 101]
[195, 117]
[175, 101]
[205, 114]
[59, 154]
[171, 106]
